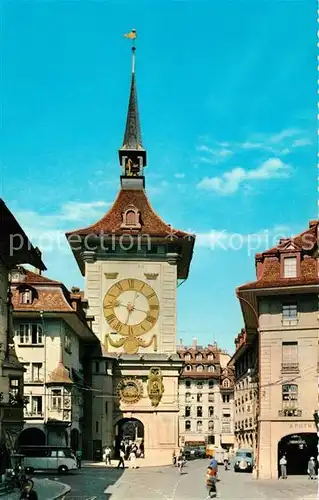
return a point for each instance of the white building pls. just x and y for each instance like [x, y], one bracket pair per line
[53, 339]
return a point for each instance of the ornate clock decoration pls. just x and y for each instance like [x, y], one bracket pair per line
[155, 386]
[129, 390]
[131, 308]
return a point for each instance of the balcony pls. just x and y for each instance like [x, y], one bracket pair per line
[59, 416]
[33, 414]
[290, 412]
[290, 368]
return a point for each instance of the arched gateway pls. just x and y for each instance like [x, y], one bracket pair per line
[32, 437]
[128, 429]
[298, 448]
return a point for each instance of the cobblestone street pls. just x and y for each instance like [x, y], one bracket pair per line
[167, 484]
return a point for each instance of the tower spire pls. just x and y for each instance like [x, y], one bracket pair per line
[132, 154]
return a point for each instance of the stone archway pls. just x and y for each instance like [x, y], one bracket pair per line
[297, 448]
[31, 436]
[128, 429]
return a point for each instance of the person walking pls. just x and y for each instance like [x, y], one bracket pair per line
[311, 468]
[107, 455]
[226, 460]
[283, 467]
[133, 457]
[121, 461]
[79, 457]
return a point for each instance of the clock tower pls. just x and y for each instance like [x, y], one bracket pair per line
[132, 261]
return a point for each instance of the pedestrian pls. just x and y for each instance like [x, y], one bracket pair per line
[133, 458]
[283, 467]
[142, 448]
[311, 468]
[121, 461]
[29, 493]
[107, 455]
[79, 458]
[226, 460]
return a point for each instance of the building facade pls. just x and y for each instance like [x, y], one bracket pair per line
[132, 261]
[15, 248]
[206, 397]
[245, 362]
[281, 309]
[53, 340]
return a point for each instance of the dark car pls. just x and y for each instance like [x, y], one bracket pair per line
[200, 452]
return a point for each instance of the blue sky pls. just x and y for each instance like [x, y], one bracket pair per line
[227, 98]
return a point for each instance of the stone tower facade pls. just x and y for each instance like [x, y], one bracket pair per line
[132, 260]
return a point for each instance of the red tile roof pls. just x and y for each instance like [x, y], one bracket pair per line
[269, 266]
[60, 375]
[50, 295]
[151, 223]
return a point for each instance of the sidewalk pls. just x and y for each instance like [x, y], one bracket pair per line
[140, 462]
[46, 490]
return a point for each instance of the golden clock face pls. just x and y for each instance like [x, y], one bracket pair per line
[131, 307]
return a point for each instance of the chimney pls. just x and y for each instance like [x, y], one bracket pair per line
[181, 342]
[35, 269]
[194, 343]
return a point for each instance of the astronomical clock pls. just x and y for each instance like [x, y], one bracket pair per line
[131, 309]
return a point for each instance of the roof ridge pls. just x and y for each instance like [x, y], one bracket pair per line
[39, 278]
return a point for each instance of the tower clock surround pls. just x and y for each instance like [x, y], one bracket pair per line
[132, 302]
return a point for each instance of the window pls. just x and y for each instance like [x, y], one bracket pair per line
[188, 383]
[97, 367]
[199, 426]
[106, 408]
[211, 368]
[211, 397]
[199, 411]
[188, 357]
[14, 386]
[96, 426]
[27, 376]
[289, 312]
[188, 368]
[289, 394]
[187, 425]
[211, 425]
[248, 408]
[26, 296]
[199, 397]
[199, 385]
[289, 355]
[30, 334]
[290, 267]
[226, 414]
[36, 408]
[226, 428]
[226, 383]
[187, 411]
[211, 357]
[56, 399]
[61, 454]
[226, 398]
[211, 384]
[250, 422]
[188, 397]
[200, 368]
[211, 411]
[68, 343]
[37, 372]
[199, 357]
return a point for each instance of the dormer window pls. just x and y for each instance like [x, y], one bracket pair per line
[26, 296]
[131, 218]
[290, 267]
[199, 357]
[188, 357]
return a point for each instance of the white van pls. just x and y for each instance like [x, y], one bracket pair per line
[55, 458]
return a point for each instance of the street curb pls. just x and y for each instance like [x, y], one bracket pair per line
[67, 490]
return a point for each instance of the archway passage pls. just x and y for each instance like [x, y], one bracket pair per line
[31, 437]
[298, 448]
[129, 430]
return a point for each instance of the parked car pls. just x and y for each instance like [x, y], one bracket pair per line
[200, 452]
[244, 460]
